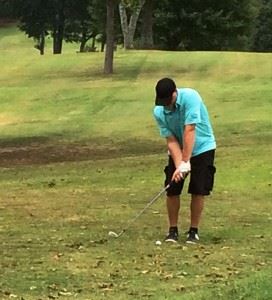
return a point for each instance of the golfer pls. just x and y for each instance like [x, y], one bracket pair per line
[183, 120]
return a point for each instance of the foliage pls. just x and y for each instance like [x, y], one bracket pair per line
[202, 25]
[84, 20]
[7, 9]
[34, 17]
[132, 4]
[263, 35]
[74, 21]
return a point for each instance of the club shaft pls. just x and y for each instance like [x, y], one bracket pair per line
[144, 209]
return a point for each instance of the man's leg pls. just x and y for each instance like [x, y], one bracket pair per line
[172, 201]
[201, 183]
[197, 205]
[173, 205]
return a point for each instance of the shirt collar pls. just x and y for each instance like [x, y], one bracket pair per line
[169, 112]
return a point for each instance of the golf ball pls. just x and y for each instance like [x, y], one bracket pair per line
[158, 243]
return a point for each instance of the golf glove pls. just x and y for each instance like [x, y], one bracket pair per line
[184, 168]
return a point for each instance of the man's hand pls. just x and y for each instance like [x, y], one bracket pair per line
[184, 167]
[182, 171]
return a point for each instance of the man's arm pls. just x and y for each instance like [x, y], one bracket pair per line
[188, 142]
[176, 153]
[180, 156]
[174, 149]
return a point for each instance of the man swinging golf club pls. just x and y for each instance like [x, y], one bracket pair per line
[183, 120]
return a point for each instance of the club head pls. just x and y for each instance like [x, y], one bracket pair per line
[113, 234]
[116, 235]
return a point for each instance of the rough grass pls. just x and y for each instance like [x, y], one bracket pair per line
[81, 155]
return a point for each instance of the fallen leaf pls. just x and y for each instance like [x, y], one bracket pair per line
[180, 288]
[65, 293]
[104, 285]
[258, 236]
[168, 276]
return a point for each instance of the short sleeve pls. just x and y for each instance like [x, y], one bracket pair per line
[164, 131]
[192, 108]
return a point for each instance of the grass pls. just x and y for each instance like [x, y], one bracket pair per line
[81, 155]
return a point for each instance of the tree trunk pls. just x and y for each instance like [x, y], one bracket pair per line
[42, 43]
[93, 43]
[108, 63]
[128, 28]
[58, 29]
[102, 48]
[82, 46]
[147, 25]
[83, 42]
[124, 24]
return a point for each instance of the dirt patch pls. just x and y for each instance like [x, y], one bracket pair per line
[42, 151]
[44, 154]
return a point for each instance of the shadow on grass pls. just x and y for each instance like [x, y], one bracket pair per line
[44, 150]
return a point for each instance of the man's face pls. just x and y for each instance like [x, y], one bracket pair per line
[172, 101]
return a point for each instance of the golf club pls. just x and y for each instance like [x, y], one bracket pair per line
[117, 235]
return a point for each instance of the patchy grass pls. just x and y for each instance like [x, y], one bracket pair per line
[81, 155]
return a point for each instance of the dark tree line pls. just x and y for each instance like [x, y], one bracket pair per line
[73, 21]
[161, 24]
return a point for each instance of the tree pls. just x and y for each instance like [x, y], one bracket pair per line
[7, 9]
[203, 25]
[129, 11]
[38, 18]
[84, 21]
[34, 21]
[108, 63]
[146, 38]
[70, 20]
[80, 25]
[58, 25]
[263, 36]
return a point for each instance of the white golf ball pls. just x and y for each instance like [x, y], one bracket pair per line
[158, 243]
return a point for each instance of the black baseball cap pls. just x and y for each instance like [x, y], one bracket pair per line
[164, 90]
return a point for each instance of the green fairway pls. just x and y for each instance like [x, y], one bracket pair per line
[81, 155]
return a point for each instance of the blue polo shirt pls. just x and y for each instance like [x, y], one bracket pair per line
[189, 109]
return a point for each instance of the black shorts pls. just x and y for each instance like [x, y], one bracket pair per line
[201, 176]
